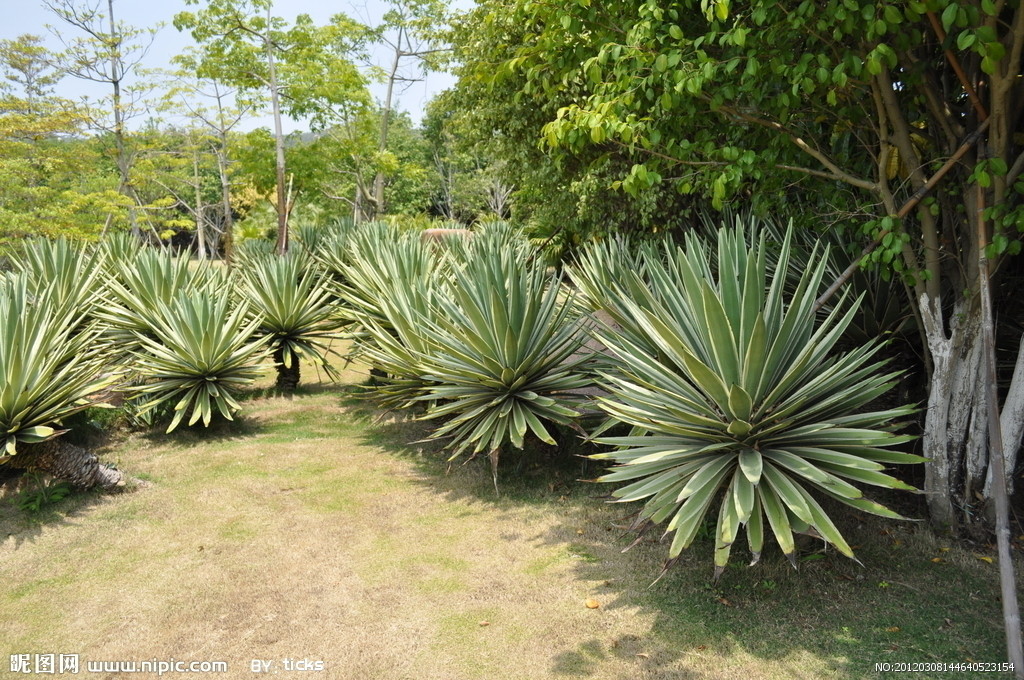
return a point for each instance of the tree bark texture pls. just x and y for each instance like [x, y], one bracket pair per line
[287, 375]
[68, 462]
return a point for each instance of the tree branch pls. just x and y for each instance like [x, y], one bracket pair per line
[836, 172]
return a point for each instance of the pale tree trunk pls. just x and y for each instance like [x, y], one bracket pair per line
[1011, 422]
[954, 407]
[227, 238]
[200, 228]
[275, 99]
[385, 121]
[228, 224]
[70, 463]
[1000, 498]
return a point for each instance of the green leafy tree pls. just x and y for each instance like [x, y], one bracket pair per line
[218, 109]
[496, 115]
[470, 182]
[107, 51]
[305, 69]
[410, 29]
[53, 180]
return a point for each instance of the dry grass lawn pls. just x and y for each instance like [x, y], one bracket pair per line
[310, 530]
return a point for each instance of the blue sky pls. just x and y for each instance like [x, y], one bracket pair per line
[30, 16]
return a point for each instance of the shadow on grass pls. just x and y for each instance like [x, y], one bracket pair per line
[913, 598]
[219, 430]
[19, 526]
[537, 474]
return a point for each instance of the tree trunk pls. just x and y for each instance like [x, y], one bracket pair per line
[68, 462]
[275, 100]
[287, 376]
[385, 120]
[228, 226]
[1012, 423]
[200, 229]
[955, 416]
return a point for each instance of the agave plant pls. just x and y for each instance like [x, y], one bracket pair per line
[120, 246]
[294, 308]
[392, 286]
[136, 288]
[196, 355]
[249, 250]
[740, 402]
[509, 359]
[71, 272]
[51, 366]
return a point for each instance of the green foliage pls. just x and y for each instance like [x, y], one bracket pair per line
[52, 180]
[42, 493]
[69, 273]
[508, 352]
[290, 302]
[477, 330]
[391, 286]
[313, 63]
[196, 353]
[51, 362]
[140, 282]
[733, 395]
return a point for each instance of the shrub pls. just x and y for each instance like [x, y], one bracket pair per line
[196, 354]
[508, 353]
[291, 305]
[734, 398]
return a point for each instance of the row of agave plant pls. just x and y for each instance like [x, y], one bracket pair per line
[175, 339]
[723, 379]
[722, 382]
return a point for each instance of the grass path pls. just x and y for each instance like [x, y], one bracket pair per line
[310, 531]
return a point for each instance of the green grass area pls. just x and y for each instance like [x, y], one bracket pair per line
[317, 527]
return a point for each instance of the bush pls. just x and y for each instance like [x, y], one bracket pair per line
[734, 398]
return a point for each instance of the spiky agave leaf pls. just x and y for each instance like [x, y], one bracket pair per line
[290, 298]
[72, 273]
[506, 363]
[736, 399]
[392, 285]
[50, 364]
[197, 354]
[136, 288]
